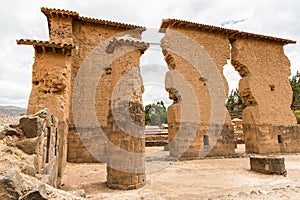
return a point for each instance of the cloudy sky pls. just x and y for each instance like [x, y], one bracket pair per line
[23, 19]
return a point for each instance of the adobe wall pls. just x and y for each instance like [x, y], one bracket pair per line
[87, 37]
[85, 34]
[268, 122]
[51, 89]
[57, 63]
[218, 49]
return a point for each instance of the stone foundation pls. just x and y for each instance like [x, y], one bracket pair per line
[79, 147]
[216, 142]
[266, 139]
[126, 149]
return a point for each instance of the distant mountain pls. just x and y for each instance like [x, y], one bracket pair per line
[11, 111]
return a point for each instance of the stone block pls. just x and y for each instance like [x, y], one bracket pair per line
[32, 126]
[29, 146]
[268, 164]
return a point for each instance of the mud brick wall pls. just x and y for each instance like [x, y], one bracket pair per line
[269, 124]
[51, 89]
[217, 48]
[268, 164]
[87, 36]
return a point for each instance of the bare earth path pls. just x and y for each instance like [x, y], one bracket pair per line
[198, 179]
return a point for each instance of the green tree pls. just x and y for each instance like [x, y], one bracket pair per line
[155, 114]
[295, 84]
[234, 104]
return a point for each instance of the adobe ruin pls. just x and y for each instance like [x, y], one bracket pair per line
[88, 76]
[269, 124]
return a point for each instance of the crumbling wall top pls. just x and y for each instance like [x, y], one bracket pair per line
[232, 34]
[45, 43]
[51, 12]
[126, 40]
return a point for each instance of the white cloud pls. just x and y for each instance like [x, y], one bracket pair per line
[23, 19]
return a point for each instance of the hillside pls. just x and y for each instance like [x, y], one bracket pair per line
[11, 111]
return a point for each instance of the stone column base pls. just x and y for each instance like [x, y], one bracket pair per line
[123, 180]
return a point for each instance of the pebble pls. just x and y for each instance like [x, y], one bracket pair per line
[264, 192]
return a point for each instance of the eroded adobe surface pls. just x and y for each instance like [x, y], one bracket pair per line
[181, 46]
[268, 122]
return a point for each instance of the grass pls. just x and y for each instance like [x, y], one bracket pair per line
[17, 153]
[297, 114]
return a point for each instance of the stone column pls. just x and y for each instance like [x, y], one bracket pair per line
[126, 144]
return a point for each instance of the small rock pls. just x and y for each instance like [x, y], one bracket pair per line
[264, 192]
[27, 169]
[4, 148]
[11, 185]
[253, 192]
[31, 126]
[42, 113]
[13, 125]
[28, 145]
[2, 135]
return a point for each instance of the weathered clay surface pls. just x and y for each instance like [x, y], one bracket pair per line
[269, 124]
[265, 87]
[196, 78]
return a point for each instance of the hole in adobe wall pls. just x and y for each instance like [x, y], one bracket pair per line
[205, 139]
[203, 80]
[272, 87]
[279, 139]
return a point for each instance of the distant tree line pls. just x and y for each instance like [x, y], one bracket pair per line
[155, 114]
[295, 84]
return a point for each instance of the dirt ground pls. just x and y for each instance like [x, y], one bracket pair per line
[228, 178]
